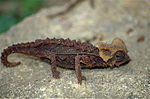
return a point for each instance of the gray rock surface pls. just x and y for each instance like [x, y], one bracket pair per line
[109, 19]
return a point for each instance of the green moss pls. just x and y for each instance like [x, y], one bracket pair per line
[25, 8]
[29, 7]
[6, 21]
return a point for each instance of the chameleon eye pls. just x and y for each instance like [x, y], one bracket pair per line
[120, 55]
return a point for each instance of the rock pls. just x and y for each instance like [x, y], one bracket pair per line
[110, 18]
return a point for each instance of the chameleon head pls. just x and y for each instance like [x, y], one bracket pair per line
[114, 54]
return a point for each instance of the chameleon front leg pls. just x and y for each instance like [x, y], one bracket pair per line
[78, 69]
[55, 73]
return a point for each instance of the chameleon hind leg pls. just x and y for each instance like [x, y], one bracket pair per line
[55, 72]
[78, 69]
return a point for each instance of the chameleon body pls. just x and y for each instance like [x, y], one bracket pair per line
[71, 54]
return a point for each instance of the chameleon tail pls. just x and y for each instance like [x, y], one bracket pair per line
[18, 48]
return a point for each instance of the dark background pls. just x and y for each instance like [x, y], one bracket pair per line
[13, 11]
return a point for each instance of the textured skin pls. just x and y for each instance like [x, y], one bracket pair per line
[65, 51]
[60, 52]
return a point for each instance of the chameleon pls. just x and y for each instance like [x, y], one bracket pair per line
[71, 54]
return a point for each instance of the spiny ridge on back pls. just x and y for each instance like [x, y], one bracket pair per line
[67, 42]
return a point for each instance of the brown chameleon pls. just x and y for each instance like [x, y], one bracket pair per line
[71, 54]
